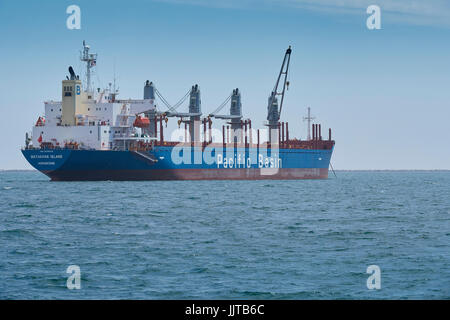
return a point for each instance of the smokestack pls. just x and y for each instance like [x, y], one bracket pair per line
[72, 73]
[320, 132]
[329, 134]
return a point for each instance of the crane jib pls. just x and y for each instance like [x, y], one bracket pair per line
[283, 71]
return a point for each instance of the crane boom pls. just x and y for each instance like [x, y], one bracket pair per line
[285, 82]
[274, 113]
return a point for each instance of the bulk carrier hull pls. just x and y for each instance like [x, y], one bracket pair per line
[92, 135]
[165, 163]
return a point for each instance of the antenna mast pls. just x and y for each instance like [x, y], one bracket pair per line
[91, 61]
[309, 118]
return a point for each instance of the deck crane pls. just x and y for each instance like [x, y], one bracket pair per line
[273, 113]
[235, 115]
[150, 92]
[194, 114]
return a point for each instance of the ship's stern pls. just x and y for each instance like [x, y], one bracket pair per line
[46, 160]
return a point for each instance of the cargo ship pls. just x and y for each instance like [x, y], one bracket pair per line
[92, 135]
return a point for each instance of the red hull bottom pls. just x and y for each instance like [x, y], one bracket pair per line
[189, 174]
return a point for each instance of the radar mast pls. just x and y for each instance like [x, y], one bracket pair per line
[91, 61]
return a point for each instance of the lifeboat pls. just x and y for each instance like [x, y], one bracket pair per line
[141, 122]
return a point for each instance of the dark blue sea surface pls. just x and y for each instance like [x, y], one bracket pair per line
[227, 239]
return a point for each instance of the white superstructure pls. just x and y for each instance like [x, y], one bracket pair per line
[91, 119]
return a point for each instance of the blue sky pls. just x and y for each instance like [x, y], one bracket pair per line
[385, 93]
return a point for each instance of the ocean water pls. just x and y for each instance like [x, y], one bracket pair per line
[227, 239]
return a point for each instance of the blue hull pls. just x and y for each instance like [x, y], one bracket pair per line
[178, 163]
